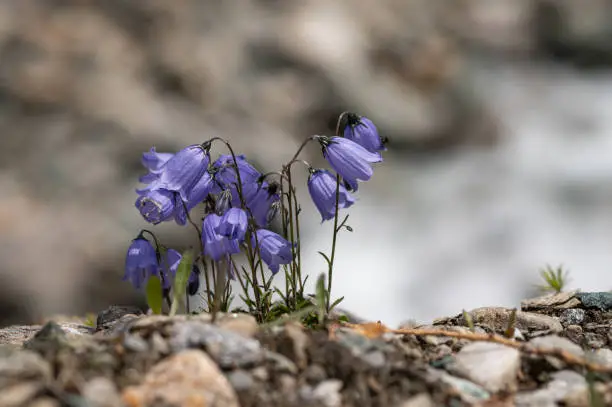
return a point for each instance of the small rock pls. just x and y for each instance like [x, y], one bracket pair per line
[497, 319]
[135, 343]
[375, 360]
[572, 316]
[294, 342]
[600, 300]
[557, 342]
[468, 391]
[604, 356]
[260, 373]
[574, 333]
[315, 373]
[564, 384]
[594, 340]
[240, 380]
[491, 365]
[101, 392]
[107, 318]
[45, 402]
[229, 349]
[243, 324]
[19, 394]
[326, 394]
[281, 363]
[562, 300]
[420, 400]
[22, 365]
[189, 378]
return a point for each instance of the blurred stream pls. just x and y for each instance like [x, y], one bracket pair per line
[471, 227]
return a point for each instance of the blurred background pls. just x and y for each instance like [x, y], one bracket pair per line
[499, 114]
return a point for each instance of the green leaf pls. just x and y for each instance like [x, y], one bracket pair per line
[181, 280]
[320, 294]
[338, 301]
[154, 295]
[326, 258]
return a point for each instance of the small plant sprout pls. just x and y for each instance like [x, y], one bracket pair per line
[245, 212]
[555, 279]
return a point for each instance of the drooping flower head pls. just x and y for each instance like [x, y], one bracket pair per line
[200, 190]
[261, 198]
[193, 284]
[362, 131]
[140, 262]
[154, 162]
[215, 245]
[225, 171]
[182, 171]
[159, 205]
[273, 249]
[169, 264]
[348, 159]
[233, 224]
[322, 188]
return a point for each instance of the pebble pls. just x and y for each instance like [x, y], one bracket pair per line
[572, 316]
[594, 340]
[420, 400]
[15, 365]
[326, 393]
[468, 391]
[229, 349]
[242, 324]
[19, 394]
[281, 363]
[548, 302]
[497, 318]
[240, 380]
[565, 385]
[189, 378]
[599, 300]
[557, 342]
[299, 342]
[491, 365]
[101, 392]
[604, 356]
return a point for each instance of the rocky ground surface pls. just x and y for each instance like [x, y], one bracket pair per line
[132, 359]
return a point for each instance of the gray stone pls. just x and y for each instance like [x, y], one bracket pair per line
[101, 392]
[243, 324]
[281, 363]
[22, 365]
[557, 342]
[599, 300]
[563, 300]
[228, 349]
[315, 373]
[468, 391]
[491, 365]
[564, 384]
[240, 380]
[572, 316]
[497, 318]
[326, 394]
[19, 394]
[604, 356]
[187, 378]
[594, 340]
[420, 400]
[375, 360]
[135, 343]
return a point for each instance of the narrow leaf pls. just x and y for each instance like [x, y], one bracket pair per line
[338, 301]
[154, 295]
[320, 291]
[181, 280]
[325, 257]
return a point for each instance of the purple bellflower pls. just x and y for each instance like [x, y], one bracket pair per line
[193, 284]
[362, 131]
[322, 188]
[226, 173]
[215, 245]
[159, 205]
[200, 190]
[273, 249]
[349, 159]
[233, 224]
[154, 162]
[182, 171]
[140, 262]
[169, 265]
[260, 199]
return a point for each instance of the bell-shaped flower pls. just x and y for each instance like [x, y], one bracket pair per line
[200, 190]
[181, 172]
[322, 188]
[226, 172]
[348, 158]
[193, 284]
[233, 224]
[169, 264]
[159, 205]
[156, 205]
[260, 199]
[273, 249]
[140, 262]
[154, 162]
[216, 245]
[362, 131]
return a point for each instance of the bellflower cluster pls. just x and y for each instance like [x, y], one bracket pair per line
[242, 207]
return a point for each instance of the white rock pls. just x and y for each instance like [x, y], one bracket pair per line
[491, 365]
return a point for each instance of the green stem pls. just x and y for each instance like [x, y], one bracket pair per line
[333, 249]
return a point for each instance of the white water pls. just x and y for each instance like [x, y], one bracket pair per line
[472, 228]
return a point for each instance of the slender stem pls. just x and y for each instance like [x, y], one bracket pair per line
[333, 249]
[219, 286]
[297, 153]
[292, 236]
[209, 298]
[298, 248]
[157, 254]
